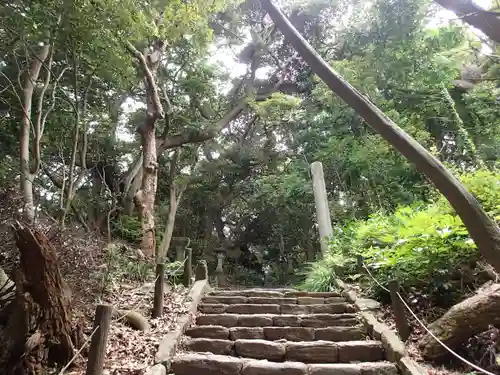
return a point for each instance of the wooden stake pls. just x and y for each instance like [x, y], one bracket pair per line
[188, 268]
[99, 340]
[159, 294]
[399, 311]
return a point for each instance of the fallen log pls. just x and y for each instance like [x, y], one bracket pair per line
[39, 331]
[464, 320]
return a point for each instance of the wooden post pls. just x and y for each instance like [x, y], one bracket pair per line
[399, 311]
[99, 340]
[188, 268]
[159, 285]
[360, 267]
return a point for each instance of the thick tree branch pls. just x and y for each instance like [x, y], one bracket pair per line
[474, 15]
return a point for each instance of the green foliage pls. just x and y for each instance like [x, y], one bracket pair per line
[128, 228]
[421, 245]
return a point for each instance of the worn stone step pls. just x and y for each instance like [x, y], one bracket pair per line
[291, 309]
[276, 320]
[249, 293]
[278, 351]
[229, 300]
[212, 364]
[289, 333]
[312, 294]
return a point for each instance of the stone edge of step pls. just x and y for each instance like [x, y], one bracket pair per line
[189, 362]
[169, 342]
[394, 348]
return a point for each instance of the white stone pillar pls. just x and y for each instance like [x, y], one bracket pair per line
[321, 202]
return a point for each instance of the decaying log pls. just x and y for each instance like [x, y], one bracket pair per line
[462, 321]
[39, 332]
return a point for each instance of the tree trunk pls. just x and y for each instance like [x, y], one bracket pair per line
[482, 229]
[145, 197]
[462, 321]
[27, 174]
[39, 331]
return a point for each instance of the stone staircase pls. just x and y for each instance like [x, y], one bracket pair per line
[269, 332]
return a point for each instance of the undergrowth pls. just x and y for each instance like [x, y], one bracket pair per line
[425, 246]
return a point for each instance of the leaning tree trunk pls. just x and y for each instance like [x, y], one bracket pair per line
[464, 320]
[39, 332]
[482, 229]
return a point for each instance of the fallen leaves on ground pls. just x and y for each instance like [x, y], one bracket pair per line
[131, 352]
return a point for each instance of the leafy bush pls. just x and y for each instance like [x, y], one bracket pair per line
[128, 228]
[425, 245]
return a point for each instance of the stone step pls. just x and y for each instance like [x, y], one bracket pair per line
[249, 293]
[290, 333]
[211, 364]
[276, 320]
[294, 309]
[279, 351]
[306, 300]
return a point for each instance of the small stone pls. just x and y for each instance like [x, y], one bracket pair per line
[289, 333]
[286, 321]
[260, 349]
[214, 346]
[272, 368]
[314, 351]
[362, 351]
[225, 320]
[237, 333]
[254, 320]
[212, 332]
[366, 304]
[253, 309]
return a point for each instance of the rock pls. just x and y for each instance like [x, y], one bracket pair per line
[366, 304]
[167, 347]
[271, 300]
[214, 346]
[379, 368]
[212, 308]
[237, 333]
[212, 332]
[227, 300]
[294, 309]
[253, 309]
[331, 308]
[310, 300]
[158, 369]
[260, 349]
[225, 320]
[394, 347]
[363, 351]
[254, 321]
[334, 300]
[312, 294]
[289, 333]
[315, 351]
[335, 369]
[327, 320]
[206, 364]
[286, 321]
[272, 368]
[339, 333]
